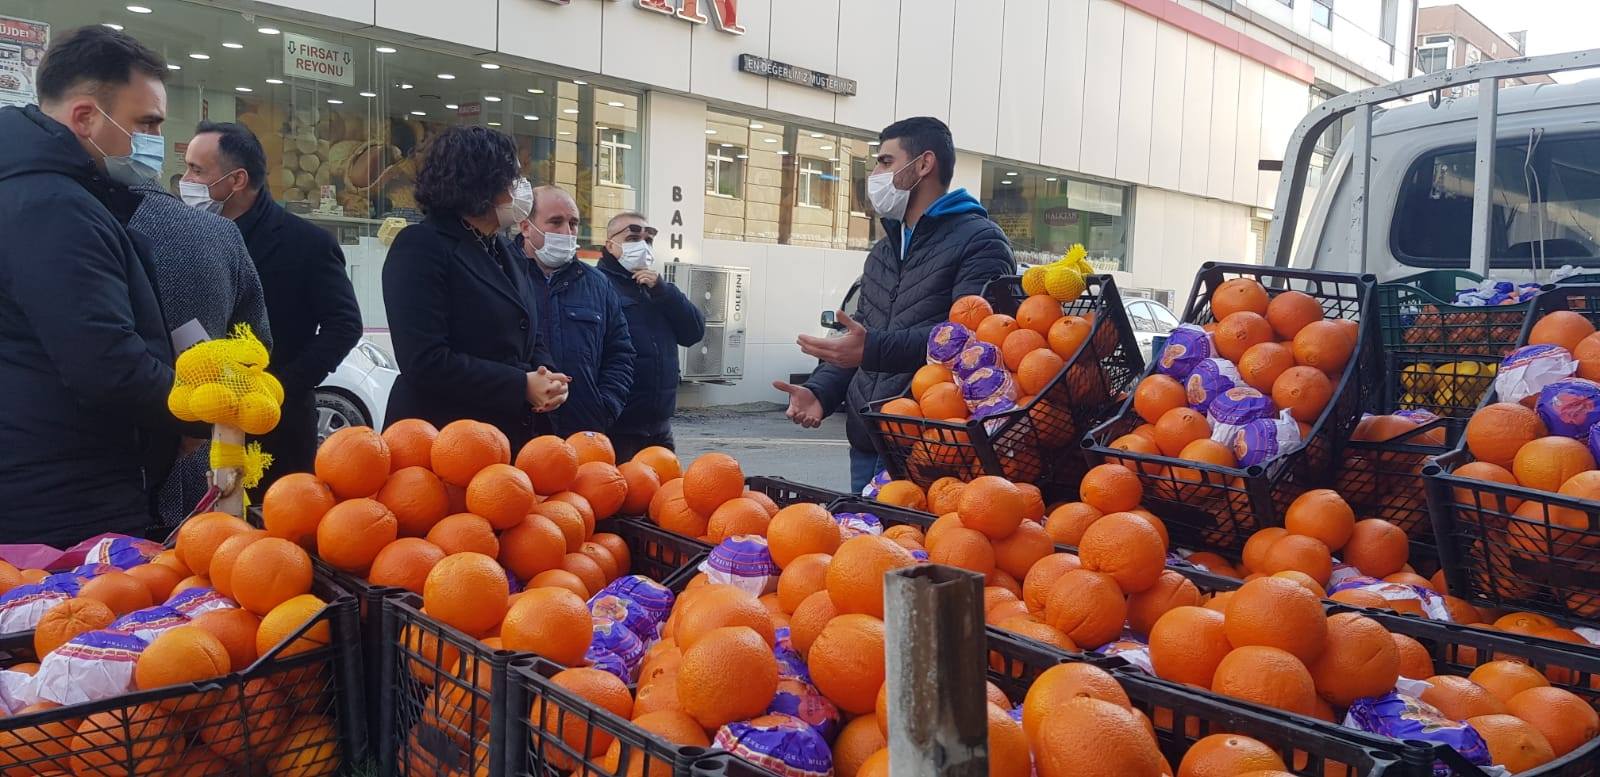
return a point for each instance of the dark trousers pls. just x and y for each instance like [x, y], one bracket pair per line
[864, 466]
[293, 444]
[627, 445]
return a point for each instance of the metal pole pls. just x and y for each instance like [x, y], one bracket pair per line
[1360, 170]
[1483, 173]
[937, 657]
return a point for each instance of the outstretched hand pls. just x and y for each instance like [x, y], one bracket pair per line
[804, 407]
[845, 350]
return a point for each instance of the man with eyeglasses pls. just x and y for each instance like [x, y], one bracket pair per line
[660, 320]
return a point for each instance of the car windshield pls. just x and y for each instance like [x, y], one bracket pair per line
[1165, 321]
[1143, 320]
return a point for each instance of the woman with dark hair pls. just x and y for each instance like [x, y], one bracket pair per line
[461, 308]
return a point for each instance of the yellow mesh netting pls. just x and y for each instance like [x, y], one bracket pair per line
[1063, 278]
[250, 460]
[226, 382]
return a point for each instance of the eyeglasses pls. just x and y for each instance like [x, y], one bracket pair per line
[636, 232]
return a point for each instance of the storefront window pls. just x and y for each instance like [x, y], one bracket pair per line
[772, 182]
[1044, 213]
[343, 140]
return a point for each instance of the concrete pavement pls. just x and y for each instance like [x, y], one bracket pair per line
[766, 443]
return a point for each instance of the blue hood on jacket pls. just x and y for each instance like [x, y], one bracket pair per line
[955, 202]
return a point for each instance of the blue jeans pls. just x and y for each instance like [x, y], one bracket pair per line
[864, 466]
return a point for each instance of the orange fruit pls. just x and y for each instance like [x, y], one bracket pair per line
[1377, 548]
[642, 483]
[604, 486]
[269, 572]
[1062, 682]
[68, 619]
[1042, 576]
[855, 578]
[125, 742]
[735, 517]
[903, 493]
[762, 499]
[1506, 679]
[586, 568]
[1414, 660]
[120, 591]
[1178, 427]
[354, 462]
[192, 581]
[802, 576]
[552, 622]
[1068, 522]
[1496, 432]
[928, 376]
[1172, 590]
[222, 561]
[294, 504]
[159, 578]
[501, 494]
[351, 534]
[1277, 613]
[310, 748]
[40, 748]
[808, 619]
[1565, 719]
[1212, 562]
[964, 548]
[567, 519]
[1067, 335]
[659, 459]
[1127, 548]
[1228, 755]
[1588, 356]
[730, 674]
[970, 311]
[184, 654]
[1157, 394]
[715, 607]
[463, 533]
[712, 479]
[405, 563]
[1561, 327]
[1359, 660]
[1206, 451]
[1084, 731]
[1514, 743]
[847, 662]
[418, 499]
[467, 591]
[1238, 331]
[1033, 502]
[1019, 344]
[1187, 643]
[1111, 488]
[464, 447]
[1323, 345]
[601, 556]
[991, 505]
[1238, 294]
[200, 535]
[1086, 606]
[1548, 462]
[1267, 676]
[1303, 391]
[1308, 582]
[860, 740]
[1009, 755]
[561, 578]
[1460, 698]
[1038, 312]
[994, 329]
[236, 630]
[801, 529]
[598, 689]
[670, 725]
[410, 442]
[1262, 363]
[533, 546]
[1323, 514]
[1300, 553]
[1291, 311]
[550, 463]
[593, 446]
[1017, 554]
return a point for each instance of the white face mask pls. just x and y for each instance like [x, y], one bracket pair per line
[636, 256]
[519, 208]
[887, 199]
[559, 248]
[198, 195]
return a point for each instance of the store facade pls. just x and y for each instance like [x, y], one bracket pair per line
[745, 128]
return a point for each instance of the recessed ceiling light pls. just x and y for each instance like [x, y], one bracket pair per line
[726, 145]
[1008, 183]
[601, 127]
[615, 104]
[419, 113]
[333, 101]
[491, 98]
[569, 110]
[116, 27]
[446, 77]
[268, 30]
[384, 49]
[757, 125]
[174, 67]
[199, 56]
[535, 91]
[275, 81]
[530, 117]
[743, 156]
[711, 132]
[833, 159]
[580, 83]
[451, 106]
[1013, 172]
[231, 45]
[563, 132]
[244, 89]
[1051, 178]
[494, 123]
[489, 66]
[138, 9]
[782, 153]
[825, 148]
[816, 134]
[368, 94]
[407, 86]
[769, 140]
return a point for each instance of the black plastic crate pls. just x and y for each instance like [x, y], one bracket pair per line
[786, 492]
[1384, 480]
[1036, 443]
[889, 515]
[1447, 386]
[1211, 507]
[300, 714]
[1418, 313]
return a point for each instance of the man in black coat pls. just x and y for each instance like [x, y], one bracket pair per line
[85, 357]
[660, 320]
[938, 245]
[310, 302]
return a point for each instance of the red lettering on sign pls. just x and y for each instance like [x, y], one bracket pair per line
[724, 12]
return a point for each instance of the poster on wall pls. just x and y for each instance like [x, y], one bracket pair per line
[22, 45]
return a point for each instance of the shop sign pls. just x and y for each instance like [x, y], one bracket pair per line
[1061, 217]
[782, 71]
[470, 109]
[318, 60]
[723, 13]
[22, 45]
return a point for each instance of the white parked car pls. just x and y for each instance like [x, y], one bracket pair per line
[1150, 319]
[357, 392]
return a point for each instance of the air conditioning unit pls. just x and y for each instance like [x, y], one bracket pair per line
[722, 295]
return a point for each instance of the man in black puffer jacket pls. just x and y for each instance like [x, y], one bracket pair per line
[937, 245]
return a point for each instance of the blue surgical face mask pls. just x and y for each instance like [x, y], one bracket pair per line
[143, 162]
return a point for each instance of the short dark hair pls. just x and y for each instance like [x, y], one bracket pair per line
[95, 56]
[464, 168]
[925, 133]
[239, 148]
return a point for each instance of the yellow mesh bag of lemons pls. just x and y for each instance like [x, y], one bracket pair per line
[1062, 279]
[226, 382]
